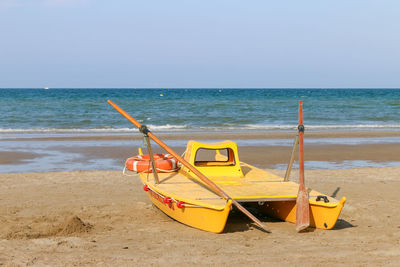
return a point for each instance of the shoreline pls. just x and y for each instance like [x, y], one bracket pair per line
[265, 150]
[61, 158]
[136, 135]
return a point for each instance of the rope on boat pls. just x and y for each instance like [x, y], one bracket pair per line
[124, 172]
[179, 204]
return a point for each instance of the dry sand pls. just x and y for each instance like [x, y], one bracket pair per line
[104, 218]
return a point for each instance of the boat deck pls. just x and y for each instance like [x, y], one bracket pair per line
[256, 186]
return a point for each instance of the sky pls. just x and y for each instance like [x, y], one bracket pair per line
[199, 44]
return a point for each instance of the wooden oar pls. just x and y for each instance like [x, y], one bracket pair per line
[201, 176]
[303, 209]
[289, 167]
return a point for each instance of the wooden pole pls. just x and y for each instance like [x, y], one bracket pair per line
[153, 164]
[201, 176]
[302, 202]
[289, 167]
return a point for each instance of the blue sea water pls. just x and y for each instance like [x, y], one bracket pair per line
[59, 112]
[43, 111]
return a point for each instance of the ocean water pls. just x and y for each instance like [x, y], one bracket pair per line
[65, 112]
[75, 111]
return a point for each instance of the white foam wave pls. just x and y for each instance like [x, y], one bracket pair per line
[167, 127]
[57, 130]
[319, 127]
[172, 128]
[358, 126]
[90, 130]
[269, 127]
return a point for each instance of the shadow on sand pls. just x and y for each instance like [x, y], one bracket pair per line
[342, 224]
[238, 222]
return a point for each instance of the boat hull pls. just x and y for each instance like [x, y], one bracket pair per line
[321, 216]
[203, 218]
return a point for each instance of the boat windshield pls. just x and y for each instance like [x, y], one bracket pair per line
[214, 157]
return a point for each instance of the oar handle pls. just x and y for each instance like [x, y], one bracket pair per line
[301, 150]
[126, 115]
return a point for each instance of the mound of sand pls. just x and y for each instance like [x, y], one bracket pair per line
[44, 228]
[75, 225]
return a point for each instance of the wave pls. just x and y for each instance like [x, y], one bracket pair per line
[91, 130]
[313, 127]
[167, 127]
[64, 130]
[322, 127]
[358, 126]
[175, 128]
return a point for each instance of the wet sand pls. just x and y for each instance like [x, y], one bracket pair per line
[104, 218]
[268, 156]
[10, 157]
[136, 135]
[264, 156]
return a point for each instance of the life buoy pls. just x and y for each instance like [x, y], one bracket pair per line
[142, 163]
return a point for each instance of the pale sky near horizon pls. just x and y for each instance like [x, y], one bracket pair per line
[199, 44]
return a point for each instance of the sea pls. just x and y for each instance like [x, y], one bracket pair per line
[39, 112]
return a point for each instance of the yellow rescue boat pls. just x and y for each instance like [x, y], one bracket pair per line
[182, 196]
[212, 179]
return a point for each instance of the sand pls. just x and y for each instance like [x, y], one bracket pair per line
[104, 218]
[12, 157]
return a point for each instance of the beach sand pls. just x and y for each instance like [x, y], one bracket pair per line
[105, 218]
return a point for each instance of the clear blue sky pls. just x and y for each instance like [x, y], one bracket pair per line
[203, 43]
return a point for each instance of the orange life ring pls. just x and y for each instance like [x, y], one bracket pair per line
[142, 163]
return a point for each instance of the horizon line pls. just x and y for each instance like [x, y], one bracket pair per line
[165, 88]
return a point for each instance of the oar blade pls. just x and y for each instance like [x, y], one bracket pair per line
[302, 210]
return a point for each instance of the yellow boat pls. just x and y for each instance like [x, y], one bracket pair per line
[184, 197]
[212, 179]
